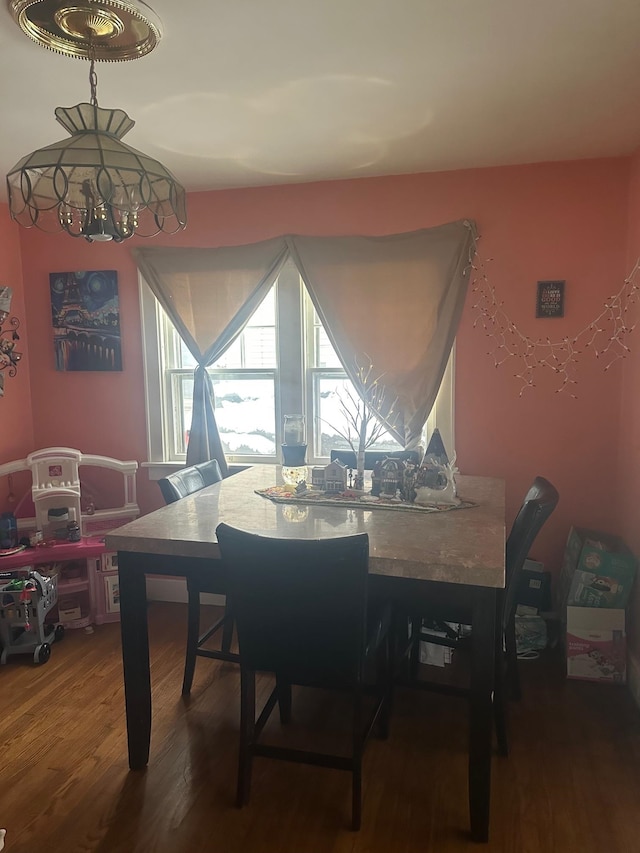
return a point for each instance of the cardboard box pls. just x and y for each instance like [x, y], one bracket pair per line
[594, 589]
[597, 571]
[69, 609]
[596, 644]
[69, 614]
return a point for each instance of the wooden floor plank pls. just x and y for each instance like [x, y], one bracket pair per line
[571, 783]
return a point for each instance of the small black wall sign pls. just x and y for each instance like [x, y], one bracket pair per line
[550, 299]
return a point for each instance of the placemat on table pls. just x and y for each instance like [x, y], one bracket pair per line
[282, 494]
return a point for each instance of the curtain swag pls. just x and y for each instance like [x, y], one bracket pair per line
[390, 305]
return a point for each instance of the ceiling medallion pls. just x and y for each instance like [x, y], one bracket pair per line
[115, 30]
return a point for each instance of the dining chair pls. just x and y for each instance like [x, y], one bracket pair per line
[302, 614]
[174, 487]
[539, 502]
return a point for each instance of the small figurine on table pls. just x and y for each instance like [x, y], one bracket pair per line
[408, 489]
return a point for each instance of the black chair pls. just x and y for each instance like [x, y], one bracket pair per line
[538, 504]
[174, 487]
[301, 613]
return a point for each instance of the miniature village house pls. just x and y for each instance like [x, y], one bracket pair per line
[331, 478]
[391, 475]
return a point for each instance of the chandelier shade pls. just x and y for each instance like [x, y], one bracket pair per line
[93, 185]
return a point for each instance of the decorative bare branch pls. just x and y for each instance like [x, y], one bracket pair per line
[363, 426]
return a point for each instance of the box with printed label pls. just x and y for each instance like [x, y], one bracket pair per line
[595, 589]
[598, 570]
[69, 610]
[596, 644]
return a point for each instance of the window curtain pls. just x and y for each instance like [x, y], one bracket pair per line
[209, 295]
[390, 305]
[391, 308]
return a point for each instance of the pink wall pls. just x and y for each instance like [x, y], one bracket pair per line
[565, 221]
[629, 466]
[16, 418]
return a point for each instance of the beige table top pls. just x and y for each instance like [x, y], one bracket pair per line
[465, 546]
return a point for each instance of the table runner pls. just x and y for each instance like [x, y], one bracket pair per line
[282, 494]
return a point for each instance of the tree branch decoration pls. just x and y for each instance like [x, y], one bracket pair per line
[606, 335]
[363, 426]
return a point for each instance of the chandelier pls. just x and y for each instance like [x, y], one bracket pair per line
[92, 184]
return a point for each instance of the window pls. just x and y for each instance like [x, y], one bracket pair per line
[283, 362]
[244, 381]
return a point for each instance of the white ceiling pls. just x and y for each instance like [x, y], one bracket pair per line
[255, 92]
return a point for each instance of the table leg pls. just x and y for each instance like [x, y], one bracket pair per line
[135, 658]
[480, 712]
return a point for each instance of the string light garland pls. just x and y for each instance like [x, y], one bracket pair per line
[606, 335]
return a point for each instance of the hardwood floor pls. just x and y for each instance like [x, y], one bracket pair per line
[570, 785]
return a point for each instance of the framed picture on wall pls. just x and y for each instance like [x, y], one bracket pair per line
[86, 320]
[550, 299]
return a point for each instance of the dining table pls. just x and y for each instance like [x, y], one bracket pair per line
[452, 560]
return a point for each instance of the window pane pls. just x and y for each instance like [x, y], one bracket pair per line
[245, 413]
[335, 396]
[324, 354]
[232, 358]
[186, 359]
[265, 313]
[254, 348]
[259, 347]
[182, 398]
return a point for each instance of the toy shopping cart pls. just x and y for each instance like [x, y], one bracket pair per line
[25, 599]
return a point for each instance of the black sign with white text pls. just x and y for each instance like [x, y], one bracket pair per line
[550, 299]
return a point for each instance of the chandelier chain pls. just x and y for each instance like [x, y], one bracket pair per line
[93, 78]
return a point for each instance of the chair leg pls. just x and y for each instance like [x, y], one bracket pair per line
[284, 701]
[356, 797]
[356, 758]
[227, 628]
[247, 732]
[500, 705]
[414, 657]
[395, 641]
[511, 649]
[384, 674]
[193, 630]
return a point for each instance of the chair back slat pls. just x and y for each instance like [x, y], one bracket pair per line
[189, 480]
[300, 605]
[349, 458]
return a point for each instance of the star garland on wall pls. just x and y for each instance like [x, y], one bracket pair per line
[606, 335]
